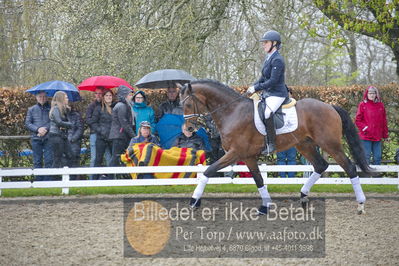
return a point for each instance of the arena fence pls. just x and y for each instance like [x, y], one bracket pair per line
[66, 183]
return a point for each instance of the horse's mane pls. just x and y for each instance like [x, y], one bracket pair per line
[219, 86]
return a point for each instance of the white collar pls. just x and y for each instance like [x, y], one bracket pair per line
[270, 55]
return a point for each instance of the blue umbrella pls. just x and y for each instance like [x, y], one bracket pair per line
[51, 87]
[169, 128]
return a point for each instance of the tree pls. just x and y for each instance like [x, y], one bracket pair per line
[378, 19]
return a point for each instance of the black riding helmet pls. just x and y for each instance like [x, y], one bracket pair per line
[272, 35]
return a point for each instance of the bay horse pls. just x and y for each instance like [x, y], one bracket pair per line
[319, 124]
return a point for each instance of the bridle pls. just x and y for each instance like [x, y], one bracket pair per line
[195, 101]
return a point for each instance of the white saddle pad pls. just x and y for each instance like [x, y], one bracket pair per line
[290, 120]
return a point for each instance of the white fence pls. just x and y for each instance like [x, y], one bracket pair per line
[66, 183]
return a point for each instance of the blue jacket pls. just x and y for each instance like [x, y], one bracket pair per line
[143, 112]
[272, 80]
[38, 116]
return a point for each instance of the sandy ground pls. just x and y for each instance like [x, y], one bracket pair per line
[88, 230]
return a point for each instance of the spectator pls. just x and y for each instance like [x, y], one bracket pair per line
[142, 111]
[89, 113]
[101, 123]
[59, 126]
[171, 105]
[38, 123]
[122, 128]
[189, 139]
[144, 135]
[216, 151]
[287, 157]
[75, 135]
[371, 120]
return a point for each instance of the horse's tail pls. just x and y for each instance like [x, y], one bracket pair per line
[351, 135]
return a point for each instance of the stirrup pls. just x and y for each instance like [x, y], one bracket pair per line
[269, 149]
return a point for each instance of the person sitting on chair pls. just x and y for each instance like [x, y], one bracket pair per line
[189, 139]
[272, 83]
[144, 135]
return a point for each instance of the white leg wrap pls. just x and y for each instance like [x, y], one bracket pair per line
[266, 200]
[360, 197]
[199, 190]
[310, 182]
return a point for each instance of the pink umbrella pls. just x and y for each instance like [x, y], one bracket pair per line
[107, 82]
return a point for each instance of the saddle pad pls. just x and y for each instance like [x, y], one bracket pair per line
[290, 120]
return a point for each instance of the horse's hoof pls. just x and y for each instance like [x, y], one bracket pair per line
[304, 202]
[262, 210]
[195, 203]
[360, 209]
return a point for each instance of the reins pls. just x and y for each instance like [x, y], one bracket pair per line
[196, 100]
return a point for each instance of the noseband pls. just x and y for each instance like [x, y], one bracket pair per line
[196, 114]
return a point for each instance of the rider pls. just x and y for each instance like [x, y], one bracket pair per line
[272, 83]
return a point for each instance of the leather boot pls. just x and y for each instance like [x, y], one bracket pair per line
[270, 136]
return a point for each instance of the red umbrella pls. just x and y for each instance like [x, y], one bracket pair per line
[107, 82]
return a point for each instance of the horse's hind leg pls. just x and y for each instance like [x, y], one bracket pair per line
[227, 159]
[309, 151]
[266, 200]
[339, 156]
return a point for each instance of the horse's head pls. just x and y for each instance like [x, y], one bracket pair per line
[193, 105]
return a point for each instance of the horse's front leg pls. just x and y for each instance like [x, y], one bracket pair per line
[266, 199]
[229, 158]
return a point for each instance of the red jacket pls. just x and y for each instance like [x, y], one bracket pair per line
[371, 119]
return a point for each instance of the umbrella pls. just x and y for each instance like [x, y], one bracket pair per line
[164, 78]
[169, 128]
[51, 87]
[107, 82]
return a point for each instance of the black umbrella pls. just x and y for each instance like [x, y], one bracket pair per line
[164, 78]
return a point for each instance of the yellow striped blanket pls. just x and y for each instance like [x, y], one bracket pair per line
[149, 154]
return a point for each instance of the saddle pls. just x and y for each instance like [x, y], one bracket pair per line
[278, 116]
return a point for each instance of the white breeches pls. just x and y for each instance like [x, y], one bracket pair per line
[272, 104]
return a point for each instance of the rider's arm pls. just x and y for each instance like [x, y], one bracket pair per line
[277, 69]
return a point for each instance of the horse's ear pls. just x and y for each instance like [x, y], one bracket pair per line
[178, 85]
[190, 89]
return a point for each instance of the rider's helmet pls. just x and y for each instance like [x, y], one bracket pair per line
[272, 35]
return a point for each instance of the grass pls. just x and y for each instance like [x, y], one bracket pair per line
[225, 188]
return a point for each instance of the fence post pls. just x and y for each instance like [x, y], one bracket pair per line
[1, 180]
[65, 178]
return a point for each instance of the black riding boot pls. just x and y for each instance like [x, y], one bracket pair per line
[270, 136]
